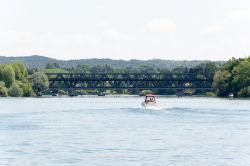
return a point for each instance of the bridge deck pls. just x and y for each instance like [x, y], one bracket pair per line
[128, 81]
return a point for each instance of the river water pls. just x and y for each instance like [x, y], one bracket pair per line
[116, 131]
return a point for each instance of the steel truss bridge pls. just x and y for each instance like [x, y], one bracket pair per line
[134, 81]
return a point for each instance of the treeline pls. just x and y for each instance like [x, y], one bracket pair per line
[37, 61]
[206, 69]
[203, 70]
[233, 77]
[14, 81]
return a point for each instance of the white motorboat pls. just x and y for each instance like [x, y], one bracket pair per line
[149, 100]
[231, 95]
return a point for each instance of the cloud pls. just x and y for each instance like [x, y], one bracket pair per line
[109, 41]
[55, 44]
[114, 34]
[100, 8]
[230, 37]
[238, 15]
[160, 25]
[234, 22]
[212, 30]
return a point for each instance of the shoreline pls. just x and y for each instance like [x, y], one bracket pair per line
[124, 96]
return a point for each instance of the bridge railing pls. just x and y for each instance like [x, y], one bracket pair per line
[118, 76]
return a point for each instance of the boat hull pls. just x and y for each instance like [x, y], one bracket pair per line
[143, 104]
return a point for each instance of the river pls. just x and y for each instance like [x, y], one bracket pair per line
[116, 131]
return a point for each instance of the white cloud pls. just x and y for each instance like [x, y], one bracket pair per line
[61, 45]
[161, 25]
[103, 23]
[230, 37]
[235, 21]
[114, 34]
[212, 29]
[115, 29]
[238, 15]
[101, 8]
[108, 42]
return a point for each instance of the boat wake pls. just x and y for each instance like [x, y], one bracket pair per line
[154, 107]
[148, 108]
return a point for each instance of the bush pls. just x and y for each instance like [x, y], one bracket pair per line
[20, 71]
[245, 92]
[15, 90]
[221, 83]
[2, 83]
[145, 92]
[39, 82]
[210, 94]
[81, 92]
[27, 89]
[3, 89]
[7, 75]
[187, 92]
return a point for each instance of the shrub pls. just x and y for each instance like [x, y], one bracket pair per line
[145, 92]
[39, 82]
[27, 89]
[221, 83]
[245, 92]
[15, 90]
[7, 75]
[3, 89]
[210, 94]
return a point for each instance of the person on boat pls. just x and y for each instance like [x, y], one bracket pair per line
[150, 99]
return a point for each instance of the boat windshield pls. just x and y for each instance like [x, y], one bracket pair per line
[150, 99]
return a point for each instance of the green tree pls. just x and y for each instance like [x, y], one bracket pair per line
[130, 70]
[7, 75]
[206, 69]
[221, 83]
[3, 89]
[82, 69]
[180, 70]
[147, 69]
[165, 70]
[15, 90]
[101, 69]
[242, 74]
[52, 66]
[241, 78]
[244, 92]
[20, 71]
[39, 82]
[27, 89]
[229, 66]
[145, 92]
[55, 70]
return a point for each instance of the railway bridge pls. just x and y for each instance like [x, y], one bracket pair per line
[129, 81]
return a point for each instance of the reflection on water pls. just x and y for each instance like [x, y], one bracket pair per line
[118, 131]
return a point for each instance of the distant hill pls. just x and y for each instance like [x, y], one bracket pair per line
[36, 61]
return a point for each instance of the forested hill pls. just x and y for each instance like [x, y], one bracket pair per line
[36, 61]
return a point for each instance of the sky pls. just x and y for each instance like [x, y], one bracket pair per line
[126, 29]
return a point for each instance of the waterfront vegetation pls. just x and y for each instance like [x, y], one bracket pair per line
[232, 77]
[14, 80]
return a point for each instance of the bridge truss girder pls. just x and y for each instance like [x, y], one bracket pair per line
[74, 81]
